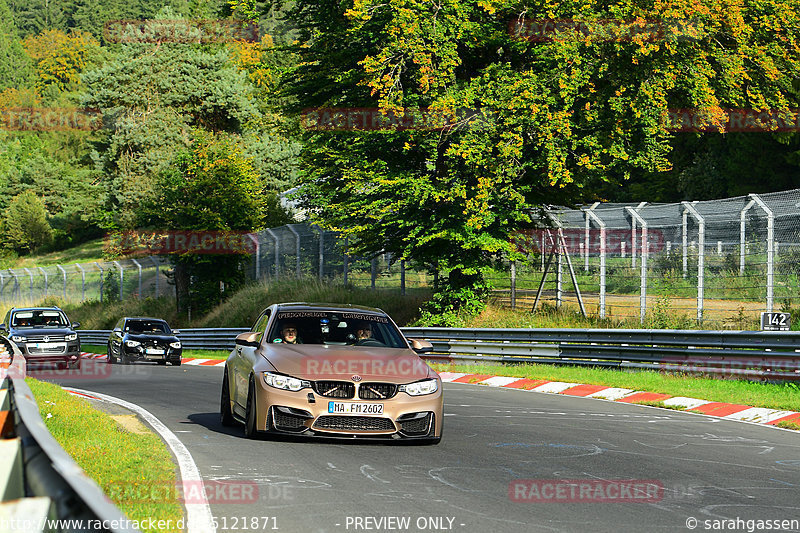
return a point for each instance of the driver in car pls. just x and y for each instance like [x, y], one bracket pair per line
[289, 334]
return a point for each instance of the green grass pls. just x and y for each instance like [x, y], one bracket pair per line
[83, 253]
[772, 396]
[135, 471]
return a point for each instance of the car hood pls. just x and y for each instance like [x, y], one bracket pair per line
[315, 362]
[145, 337]
[41, 331]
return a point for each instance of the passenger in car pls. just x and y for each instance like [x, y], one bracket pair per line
[363, 331]
[289, 334]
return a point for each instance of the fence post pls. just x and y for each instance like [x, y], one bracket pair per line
[135, 262]
[403, 277]
[701, 237]
[321, 253]
[277, 252]
[44, 273]
[31, 276]
[770, 250]
[64, 276]
[373, 272]
[101, 280]
[2, 286]
[643, 275]
[254, 237]
[599, 222]
[586, 246]
[155, 263]
[298, 273]
[121, 278]
[15, 290]
[513, 284]
[83, 281]
[742, 228]
[685, 243]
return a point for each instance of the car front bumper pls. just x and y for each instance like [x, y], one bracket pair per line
[60, 354]
[404, 416]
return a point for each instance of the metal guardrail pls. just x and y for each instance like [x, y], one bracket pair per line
[38, 479]
[752, 354]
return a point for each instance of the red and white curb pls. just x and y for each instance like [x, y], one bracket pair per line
[184, 361]
[728, 411]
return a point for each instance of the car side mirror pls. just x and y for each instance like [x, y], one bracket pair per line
[249, 338]
[176, 332]
[76, 325]
[420, 346]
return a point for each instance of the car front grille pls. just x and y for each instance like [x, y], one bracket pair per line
[354, 423]
[376, 391]
[33, 350]
[417, 426]
[46, 338]
[335, 389]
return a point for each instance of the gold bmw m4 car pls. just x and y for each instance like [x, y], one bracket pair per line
[333, 371]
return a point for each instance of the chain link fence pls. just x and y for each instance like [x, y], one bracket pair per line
[718, 263]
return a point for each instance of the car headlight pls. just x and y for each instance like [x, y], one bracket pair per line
[282, 382]
[132, 344]
[420, 388]
[71, 337]
[19, 338]
[175, 345]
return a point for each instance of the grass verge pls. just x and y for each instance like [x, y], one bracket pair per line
[772, 396]
[135, 470]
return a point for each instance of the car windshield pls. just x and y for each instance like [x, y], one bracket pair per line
[39, 319]
[152, 327]
[336, 327]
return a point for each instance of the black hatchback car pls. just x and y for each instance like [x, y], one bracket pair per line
[44, 335]
[144, 339]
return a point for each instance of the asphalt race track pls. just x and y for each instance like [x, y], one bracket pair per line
[629, 467]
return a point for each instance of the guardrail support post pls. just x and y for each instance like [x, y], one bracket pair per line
[64, 276]
[701, 251]
[770, 250]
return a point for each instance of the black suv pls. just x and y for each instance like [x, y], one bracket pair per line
[44, 335]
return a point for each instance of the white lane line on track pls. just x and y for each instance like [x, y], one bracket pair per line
[198, 515]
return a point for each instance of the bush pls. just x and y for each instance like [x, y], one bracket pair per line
[26, 226]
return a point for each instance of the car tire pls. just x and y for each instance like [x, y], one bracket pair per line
[123, 359]
[74, 366]
[176, 362]
[225, 414]
[110, 357]
[162, 363]
[250, 430]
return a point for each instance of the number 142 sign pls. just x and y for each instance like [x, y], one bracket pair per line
[775, 321]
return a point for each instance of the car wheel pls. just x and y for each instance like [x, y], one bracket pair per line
[162, 363]
[176, 362]
[250, 414]
[109, 356]
[225, 414]
[74, 366]
[123, 359]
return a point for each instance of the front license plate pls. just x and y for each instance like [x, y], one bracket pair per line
[43, 345]
[154, 351]
[342, 408]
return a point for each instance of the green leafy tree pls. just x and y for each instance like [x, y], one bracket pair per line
[551, 116]
[210, 187]
[26, 226]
